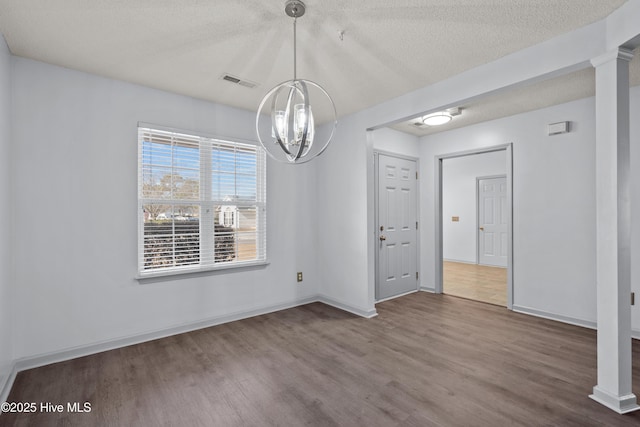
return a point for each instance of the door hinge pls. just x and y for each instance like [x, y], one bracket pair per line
[416, 275]
[633, 298]
[416, 175]
[416, 225]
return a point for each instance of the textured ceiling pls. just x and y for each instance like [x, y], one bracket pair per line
[388, 48]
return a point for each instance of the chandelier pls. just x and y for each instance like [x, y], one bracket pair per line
[285, 122]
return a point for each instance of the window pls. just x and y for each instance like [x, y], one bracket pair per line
[201, 203]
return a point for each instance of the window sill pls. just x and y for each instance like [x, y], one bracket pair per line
[187, 272]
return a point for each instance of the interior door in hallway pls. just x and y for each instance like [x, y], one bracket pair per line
[492, 221]
[397, 269]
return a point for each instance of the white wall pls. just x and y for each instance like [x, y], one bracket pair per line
[345, 173]
[342, 196]
[635, 206]
[75, 188]
[345, 185]
[6, 285]
[392, 141]
[553, 204]
[459, 239]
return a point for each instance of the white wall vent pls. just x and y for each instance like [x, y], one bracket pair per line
[238, 81]
[558, 128]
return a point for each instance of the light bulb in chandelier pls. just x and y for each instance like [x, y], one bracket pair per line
[303, 122]
[279, 127]
[288, 127]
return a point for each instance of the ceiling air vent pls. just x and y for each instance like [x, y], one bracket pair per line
[238, 81]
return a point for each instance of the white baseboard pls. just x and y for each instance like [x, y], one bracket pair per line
[6, 382]
[619, 404]
[31, 362]
[345, 307]
[397, 296]
[427, 289]
[565, 319]
[461, 261]
[85, 350]
[557, 317]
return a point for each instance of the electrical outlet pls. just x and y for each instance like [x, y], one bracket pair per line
[299, 276]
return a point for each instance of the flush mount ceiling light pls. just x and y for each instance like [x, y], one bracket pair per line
[285, 121]
[437, 119]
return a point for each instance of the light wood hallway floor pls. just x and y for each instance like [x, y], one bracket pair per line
[476, 282]
[426, 360]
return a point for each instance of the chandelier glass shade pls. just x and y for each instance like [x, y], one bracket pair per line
[285, 123]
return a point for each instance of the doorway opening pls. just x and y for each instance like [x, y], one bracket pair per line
[473, 226]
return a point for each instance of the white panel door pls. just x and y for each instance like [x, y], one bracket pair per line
[397, 227]
[492, 220]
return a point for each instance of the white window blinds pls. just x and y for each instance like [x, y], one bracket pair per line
[202, 202]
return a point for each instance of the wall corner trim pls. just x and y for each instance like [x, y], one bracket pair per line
[366, 313]
[6, 382]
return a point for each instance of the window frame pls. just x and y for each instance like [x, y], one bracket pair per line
[206, 203]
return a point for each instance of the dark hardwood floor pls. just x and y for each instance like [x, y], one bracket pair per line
[426, 360]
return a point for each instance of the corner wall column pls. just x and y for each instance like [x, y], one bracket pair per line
[613, 220]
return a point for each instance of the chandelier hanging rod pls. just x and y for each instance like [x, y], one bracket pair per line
[294, 9]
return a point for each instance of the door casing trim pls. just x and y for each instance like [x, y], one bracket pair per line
[438, 213]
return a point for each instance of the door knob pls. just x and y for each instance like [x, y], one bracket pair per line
[482, 228]
[382, 237]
